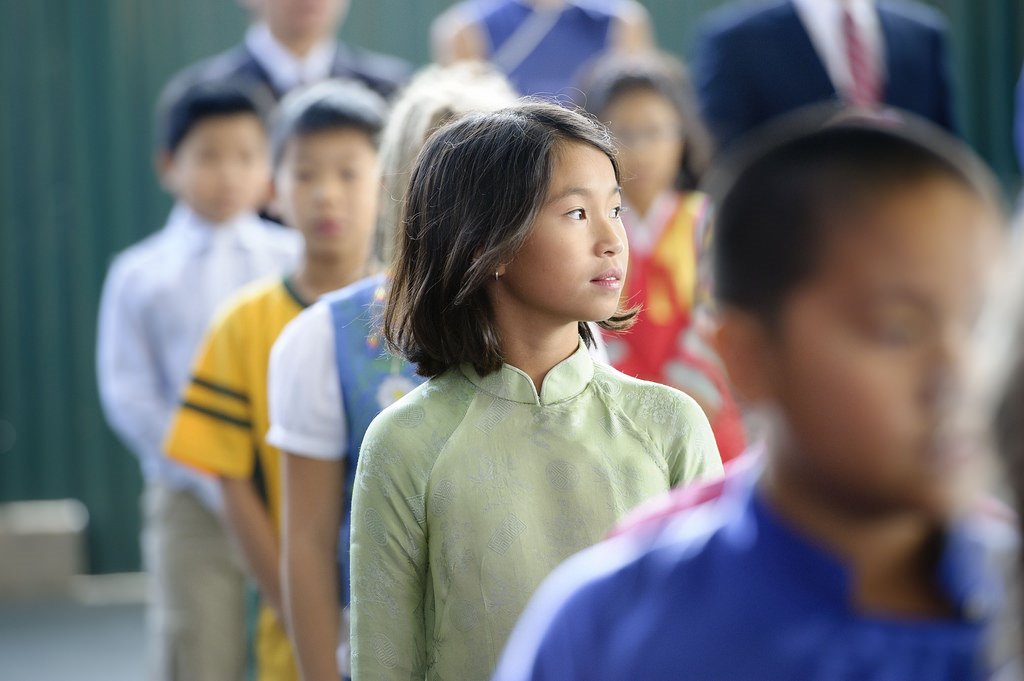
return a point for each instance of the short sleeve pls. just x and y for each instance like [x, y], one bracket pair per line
[304, 392]
[213, 427]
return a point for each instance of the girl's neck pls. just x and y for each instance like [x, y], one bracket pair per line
[534, 349]
[317, 275]
[892, 557]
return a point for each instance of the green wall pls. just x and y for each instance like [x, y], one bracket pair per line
[78, 80]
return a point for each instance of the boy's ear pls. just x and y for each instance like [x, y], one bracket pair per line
[273, 202]
[744, 346]
[163, 166]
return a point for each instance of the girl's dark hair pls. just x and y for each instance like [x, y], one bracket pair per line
[327, 105]
[778, 199]
[615, 75]
[475, 192]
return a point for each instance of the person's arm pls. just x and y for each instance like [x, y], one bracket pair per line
[307, 424]
[128, 373]
[389, 554]
[691, 451]
[454, 36]
[721, 86]
[631, 31]
[946, 114]
[214, 432]
[252, 528]
[311, 519]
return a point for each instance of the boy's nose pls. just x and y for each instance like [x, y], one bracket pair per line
[328, 193]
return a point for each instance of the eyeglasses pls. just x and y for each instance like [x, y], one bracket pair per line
[638, 137]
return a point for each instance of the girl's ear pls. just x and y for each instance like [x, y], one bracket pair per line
[744, 346]
[500, 272]
[163, 164]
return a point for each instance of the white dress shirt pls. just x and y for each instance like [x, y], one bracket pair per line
[286, 70]
[823, 20]
[644, 229]
[159, 297]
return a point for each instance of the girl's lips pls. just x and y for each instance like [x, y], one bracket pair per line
[611, 279]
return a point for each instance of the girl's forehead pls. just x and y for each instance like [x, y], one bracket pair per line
[576, 162]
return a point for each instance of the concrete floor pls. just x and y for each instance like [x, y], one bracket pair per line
[91, 630]
[67, 639]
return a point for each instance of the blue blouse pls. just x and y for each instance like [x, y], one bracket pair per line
[553, 63]
[730, 592]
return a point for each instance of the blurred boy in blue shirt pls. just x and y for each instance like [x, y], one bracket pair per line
[848, 262]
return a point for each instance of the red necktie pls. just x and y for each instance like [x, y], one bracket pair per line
[865, 89]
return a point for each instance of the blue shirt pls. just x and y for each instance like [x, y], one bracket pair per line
[730, 592]
[547, 56]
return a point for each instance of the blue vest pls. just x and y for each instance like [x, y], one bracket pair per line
[370, 380]
[578, 35]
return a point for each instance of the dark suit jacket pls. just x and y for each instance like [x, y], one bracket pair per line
[379, 72]
[755, 62]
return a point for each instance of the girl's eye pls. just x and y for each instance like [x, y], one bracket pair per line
[577, 214]
[617, 212]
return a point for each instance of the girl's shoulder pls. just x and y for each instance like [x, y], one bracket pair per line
[641, 398]
[429, 409]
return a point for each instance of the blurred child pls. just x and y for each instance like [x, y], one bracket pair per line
[648, 103]
[541, 45]
[292, 44]
[326, 182]
[846, 553]
[519, 449]
[329, 377]
[158, 299]
[999, 412]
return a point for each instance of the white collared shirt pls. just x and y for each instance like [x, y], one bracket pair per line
[823, 20]
[644, 230]
[286, 70]
[159, 297]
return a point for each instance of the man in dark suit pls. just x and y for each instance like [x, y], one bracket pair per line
[756, 61]
[292, 44]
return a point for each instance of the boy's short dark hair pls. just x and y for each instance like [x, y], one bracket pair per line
[328, 105]
[475, 192]
[779, 197]
[182, 106]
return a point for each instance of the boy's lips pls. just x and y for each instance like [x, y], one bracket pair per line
[329, 227]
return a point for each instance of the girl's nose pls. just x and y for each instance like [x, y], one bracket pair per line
[612, 239]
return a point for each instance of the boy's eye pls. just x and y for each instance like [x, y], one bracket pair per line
[577, 214]
[901, 333]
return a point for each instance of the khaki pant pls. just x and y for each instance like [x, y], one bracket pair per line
[196, 613]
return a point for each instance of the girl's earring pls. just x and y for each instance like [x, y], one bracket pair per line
[495, 276]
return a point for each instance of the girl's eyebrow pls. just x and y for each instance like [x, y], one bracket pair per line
[583, 191]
